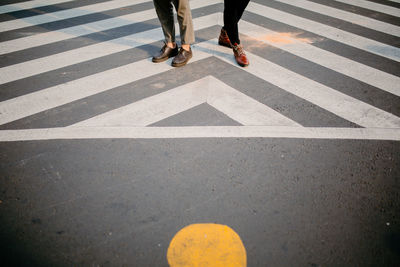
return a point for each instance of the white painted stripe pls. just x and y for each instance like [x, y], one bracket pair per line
[67, 33]
[396, 1]
[29, 5]
[385, 81]
[71, 57]
[373, 6]
[80, 30]
[198, 132]
[346, 16]
[66, 14]
[224, 98]
[29, 104]
[338, 103]
[327, 31]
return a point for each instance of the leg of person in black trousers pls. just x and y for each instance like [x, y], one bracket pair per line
[229, 36]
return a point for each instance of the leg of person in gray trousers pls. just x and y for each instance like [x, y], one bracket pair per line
[164, 9]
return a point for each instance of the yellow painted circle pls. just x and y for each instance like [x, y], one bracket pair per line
[208, 245]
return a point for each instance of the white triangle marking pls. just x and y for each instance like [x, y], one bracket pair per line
[224, 98]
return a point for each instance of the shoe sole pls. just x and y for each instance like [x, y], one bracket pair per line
[180, 64]
[159, 60]
[223, 44]
[162, 59]
[243, 65]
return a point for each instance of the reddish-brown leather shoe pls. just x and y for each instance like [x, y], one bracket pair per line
[224, 39]
[240, 56]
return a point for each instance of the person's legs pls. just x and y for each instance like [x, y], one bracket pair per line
[184, 16]
[233, 11]
[230, 20]
[164, 10]
[241, 6]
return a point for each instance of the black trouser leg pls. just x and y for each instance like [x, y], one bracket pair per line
[233, 11]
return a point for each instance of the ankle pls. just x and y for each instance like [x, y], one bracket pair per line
[186, 47]
[171, 45]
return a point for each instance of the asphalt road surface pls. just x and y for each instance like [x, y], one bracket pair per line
[105, 156]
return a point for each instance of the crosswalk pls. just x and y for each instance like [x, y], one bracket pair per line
[316, 71]
[29, 5]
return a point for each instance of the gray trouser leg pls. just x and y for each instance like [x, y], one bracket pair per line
[164, 9]
[184, 15]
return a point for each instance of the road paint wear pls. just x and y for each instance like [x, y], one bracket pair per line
[329, 32]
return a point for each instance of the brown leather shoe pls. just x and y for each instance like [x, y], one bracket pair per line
[240, 56]
[224, 39]
[182, 58]
[165, 53]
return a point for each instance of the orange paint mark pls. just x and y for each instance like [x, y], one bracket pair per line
[284, 38]
[211, 245]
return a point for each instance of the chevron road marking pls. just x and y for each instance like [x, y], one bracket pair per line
[224, 98]
[69, 133]
[258, 120]
[338, 103]
[85, 29]
[332, 33]
[30, 5]
[346, 16]
[373, 6]
[66, 14]
[385, 81]
[75, 56]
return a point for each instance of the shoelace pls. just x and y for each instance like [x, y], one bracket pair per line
[238, 50]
